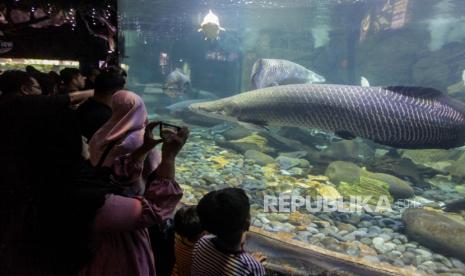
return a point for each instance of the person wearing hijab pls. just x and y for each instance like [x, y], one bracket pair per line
[52, 223]
[124, 133]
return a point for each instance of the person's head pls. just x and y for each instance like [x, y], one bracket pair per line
[226, 214]
[15, 82]
[127, 123]
[94, 72]
[187, 223]
[73, 79]
[108, 83]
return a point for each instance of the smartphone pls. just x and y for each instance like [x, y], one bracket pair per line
[166, 130]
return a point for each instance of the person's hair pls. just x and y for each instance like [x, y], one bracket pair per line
[12, 80]
[68, 74]
[115, 69]
[108, 82]
[187, 223]
[226, 214]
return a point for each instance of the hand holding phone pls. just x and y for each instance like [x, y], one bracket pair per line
[168, 130]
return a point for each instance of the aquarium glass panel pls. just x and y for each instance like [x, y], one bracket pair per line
[343, 120]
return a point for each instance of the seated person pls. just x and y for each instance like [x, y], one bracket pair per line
[188, 231]
[226, 215]
[96, 111]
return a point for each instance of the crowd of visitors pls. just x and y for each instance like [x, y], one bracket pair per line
[88, 190]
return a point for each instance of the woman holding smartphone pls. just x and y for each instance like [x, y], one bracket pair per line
[133, 157]
[53, 223]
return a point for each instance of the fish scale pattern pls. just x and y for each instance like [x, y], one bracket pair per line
[397, 118]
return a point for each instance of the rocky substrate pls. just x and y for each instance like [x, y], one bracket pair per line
[384, 236]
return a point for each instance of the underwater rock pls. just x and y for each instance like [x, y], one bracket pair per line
[457, 169]
[284, 144]
[351, 174]
[295, 154]
[252, 139]
[402, 168]
[436, 231]
[435, 69]
[398, 188]
[327, 192]
[339, 171]
[401, 46]
[251, 142]
[236, 133]
[349, 150]
[259, 157]
[442, 182]
[436, 159]
[286, 163]
[366, 187]
[304, 136]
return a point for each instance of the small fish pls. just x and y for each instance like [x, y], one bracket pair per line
[211, 26]
[321, 147]
[273, 72]
[364, 82]
[177, 84]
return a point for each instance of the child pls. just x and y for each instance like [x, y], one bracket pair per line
[188, 231]
[226, 215]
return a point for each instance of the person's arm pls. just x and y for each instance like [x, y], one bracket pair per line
[80, 96]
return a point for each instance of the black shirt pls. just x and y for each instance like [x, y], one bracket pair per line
[92, 115]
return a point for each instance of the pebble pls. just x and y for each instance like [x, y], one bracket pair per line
[429, 266]
[265, 220]
[323, 223]
[385, 237]
[319, 236]
[312, 230]
[398, 262]
[383, 247]
[426, 255]
[338, 231]
[458, 264]
[353, 250]
[388, 222]
[372, 259]
[374, 229]
[397, 241]
[365, 223]
[347, 227]
[303, 235]
[258, 223]
[366, 241]
[409, 258]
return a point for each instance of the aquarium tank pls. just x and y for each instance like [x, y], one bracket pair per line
[343, 120]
